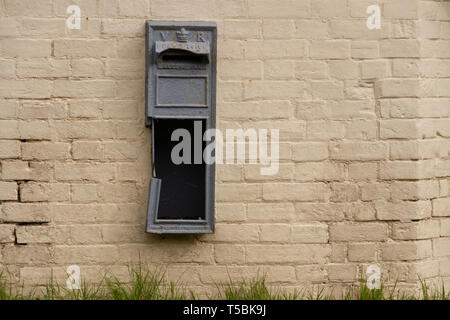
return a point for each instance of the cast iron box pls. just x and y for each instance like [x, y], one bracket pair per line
[180, 95]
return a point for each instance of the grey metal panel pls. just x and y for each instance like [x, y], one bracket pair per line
[181, 84]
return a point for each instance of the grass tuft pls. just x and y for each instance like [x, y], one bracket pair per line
[147, 284]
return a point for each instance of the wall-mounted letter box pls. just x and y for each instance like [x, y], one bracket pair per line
[180, 107]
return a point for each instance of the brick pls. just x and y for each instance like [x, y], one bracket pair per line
[9, 149]
[238, 70]
[310, 70]
[229, 173]
[7, 233]
[278, 29]
[362, 129]
[311, 29]
[122, 27]
[321, 211]
[42, 68]
[344, 192]
[84, 171]
[432, 68]
[227, 212]
[413, 150]
[362, 171]
[32, 192]
[84, 88]
[280, 233]
[130, 49]
[276, 212]
[9, 26]
[415, 230]
[278, 70]
[441, 207]
[330, 49]
[405, 210]
[344, 70]
[299, 253]
[28, 255]
[9, 129]
[12, 48]
[322, 130]
[309, 151]
[84, 48]
[338, 252]
[125, 109]
[406, 170]
[43, 110]
[238, 192]
[364, 49]
[7, 69]
[84, 193]
[273, 90]
[362, 151]
[319, 171]
[312, 273]
[414, 190]
[25, 212]
[281, 9]
[309, 233]
[328, 8]
[124, 69]
[400, 48]
[405, 68]
[23, 170]
[25, 88]
[87, 68]
[119, 192]
[342, 272]
[327, 90]
[273, 49]
[296, 191]
[35, 130]
[138, 8]
[86, 254]
[85, 129]
[229, 254]
[85, 108]
[121, 150]
[398, 88]
[88, 150]
[45, 151]
[242, 29]
[362, 252]
[359, 232]
[8, 110]
[445, 227]
[406, 250]
[34, 234]
[253, 172]
[399, 129]
[402, 9]
[355, 29]
[374, 69]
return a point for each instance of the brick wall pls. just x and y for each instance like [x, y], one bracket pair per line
[364, 119]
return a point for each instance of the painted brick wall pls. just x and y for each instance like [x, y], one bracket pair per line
[364, 119]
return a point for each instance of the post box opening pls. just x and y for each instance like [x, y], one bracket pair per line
[182, 190]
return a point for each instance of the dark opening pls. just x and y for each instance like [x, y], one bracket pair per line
[182, 193]
[178, 59]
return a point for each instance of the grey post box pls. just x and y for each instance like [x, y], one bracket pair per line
[180, 101]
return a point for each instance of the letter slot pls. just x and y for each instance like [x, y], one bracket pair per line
[180, 108]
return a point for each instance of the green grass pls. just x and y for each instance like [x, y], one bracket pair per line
[152, 284]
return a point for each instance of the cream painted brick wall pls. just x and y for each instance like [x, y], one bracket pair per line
[364, 118]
